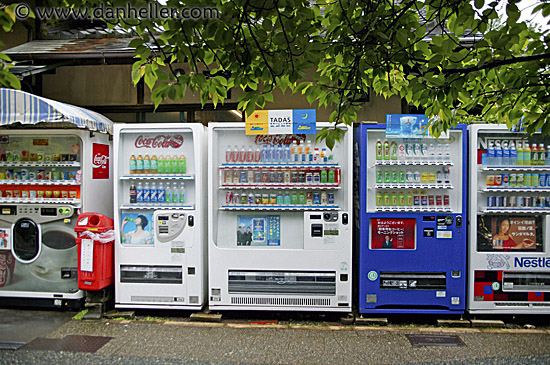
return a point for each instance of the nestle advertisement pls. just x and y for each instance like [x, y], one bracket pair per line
[393, 234]
[505, 233]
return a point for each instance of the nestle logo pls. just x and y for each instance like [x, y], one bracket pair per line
[100, 160]
[160, 141]
[534, 262]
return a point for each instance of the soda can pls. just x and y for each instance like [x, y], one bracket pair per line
[490, 201]
[513, 201]
[498, 201]
[287, 177]
[302, 177]
[431, 200]
[316, 198]
[519, 180]
[534, 179]
[438, 200]
[416, 199]
[446, 200]
[505, 179]
[243, 178]
[527, 201]
[24, 174]
[498, 180]
[505, 201]
[257, 177]
[236, 176]
[280, 177]
[316, 178]
[257, 198]
[272, 177]
[331, 198]
[24, 193]
[309, 197]
[521, 201]
[490, 180]
[294, 177]
[547, 202]
[228, 197]
[513, 180]
[338, 176]
[265, 177]
[527, 180]
[542, 180]
[424, 199]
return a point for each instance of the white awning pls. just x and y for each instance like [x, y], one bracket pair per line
[21, 107]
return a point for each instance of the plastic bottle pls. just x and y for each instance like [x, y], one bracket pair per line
[309, 152]
[520, 155]
[249, 155]
[153, 192]
[324, 158]
[174, 165]
[491, 154]
[293, 151]
[228, 155]
[257, 154]
[146, 164]
[447, 152]
[534, 154]
[154, 165]
[139, 193]
[431, 151]
[386, 150]
[242, 155]
[513, 154]
[161, 193]
[272, 155]
[505, 153]
[182, 164]
[439, 152]
[316, 155]
[280, 154]
[133, 164]
[393, 150]
[133, 194]
[298, 156]
[264, 154]
[379, 150]
[498, 153]
[175, 193]
[139, 165]
[160, 165]
[287, 153]
[542, 155]
[146, 193]
[168, 193]
[182, 193]
[526, 154]
[417, 177]
[235, 154]
[548, 156]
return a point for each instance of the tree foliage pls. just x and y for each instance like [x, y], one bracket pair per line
[7, 20]
[442, 55]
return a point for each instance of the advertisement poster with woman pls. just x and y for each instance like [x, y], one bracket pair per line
[137, 229]
[496, 233]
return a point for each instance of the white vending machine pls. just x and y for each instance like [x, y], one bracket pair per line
[160, 219]
[280, 221]
[509, 260]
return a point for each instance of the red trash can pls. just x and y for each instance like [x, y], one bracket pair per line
[95, 237]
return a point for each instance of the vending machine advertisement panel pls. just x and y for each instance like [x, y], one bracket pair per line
[160, 219]
[412, 201]
[509, 261]
[279, 217]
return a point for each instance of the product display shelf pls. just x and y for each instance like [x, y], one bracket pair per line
[508, 210]
[514, 168]
[507, 189]
[412, 163]
[39, 164]
[421, 209]
[158, 177]
[279, 207]
[279, 165]
[40, 182]
[282, 187]
[156, 206]
[75, 202]
[413, 186]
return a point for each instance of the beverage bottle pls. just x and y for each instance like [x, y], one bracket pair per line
[513, 153]
[154, 192]
[168, 193]
[401, 151]
[308, 152]
[542, 155]
[330, 156]
[491, 154]
[431, 151]
[393, 150]
[146, 164]
[534, 154]
[386, 150]
[139, 192]
[409, 198]
[379, 150]
[242, 155]
[417, 176]
[280, 154]
[286, 153]
[249, 155]
[379, 199]
[175, 193]
[139, 165]
[401, 199]
[324, 176]
[519, 154]
[305, 155]
[133, 194]
[250, 198]
[182, 164]
[424, 177]
[280, 198]
[182, 194]
[244, 198]
[505, 153]
[146, 193]
[167, 164]
[526, 154]
[174, 162]
[498, 154]
[409, 154]
[316, 155]
[439, 152]
[133, 164]
[424, 151]
[257, 154]
[447, 152]
[160, 165]
[548, 155]
[228, 155]
[154, 165]
[272, 155]
[235, 154]
[298, 156]
[409, 177]
[161, 198]
[293, 151]
[331, 176]
[324, 158]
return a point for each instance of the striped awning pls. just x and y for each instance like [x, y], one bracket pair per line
[21, 107]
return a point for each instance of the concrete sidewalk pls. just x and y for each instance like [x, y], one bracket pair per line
[168, 342]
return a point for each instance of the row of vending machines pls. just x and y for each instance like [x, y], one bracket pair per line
[268, 222]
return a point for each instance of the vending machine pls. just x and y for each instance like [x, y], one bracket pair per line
[54, 165]
[280, 223]
[509, 259]
[412, 231]
[160, 219]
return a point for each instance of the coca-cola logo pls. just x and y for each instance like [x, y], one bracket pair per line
[99, 160]
[160, 141]
[280, 138]
[6, 267]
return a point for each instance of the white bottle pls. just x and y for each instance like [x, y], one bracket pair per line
[498, 154]
[146, 193]
[161, 193]
[242, 155]
[168, 194]
[249, 155]
[175, 193]
[447, 152]
[228, 155]
[293, 151]
[512, 160]
[309, 151]
[139, 192]
[154, 192]
[182, 193]
[287, 153]
[505, 153]
[439, 152]
[235, 154]
[431, 151]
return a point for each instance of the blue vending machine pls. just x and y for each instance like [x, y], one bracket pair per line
[412, 221]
